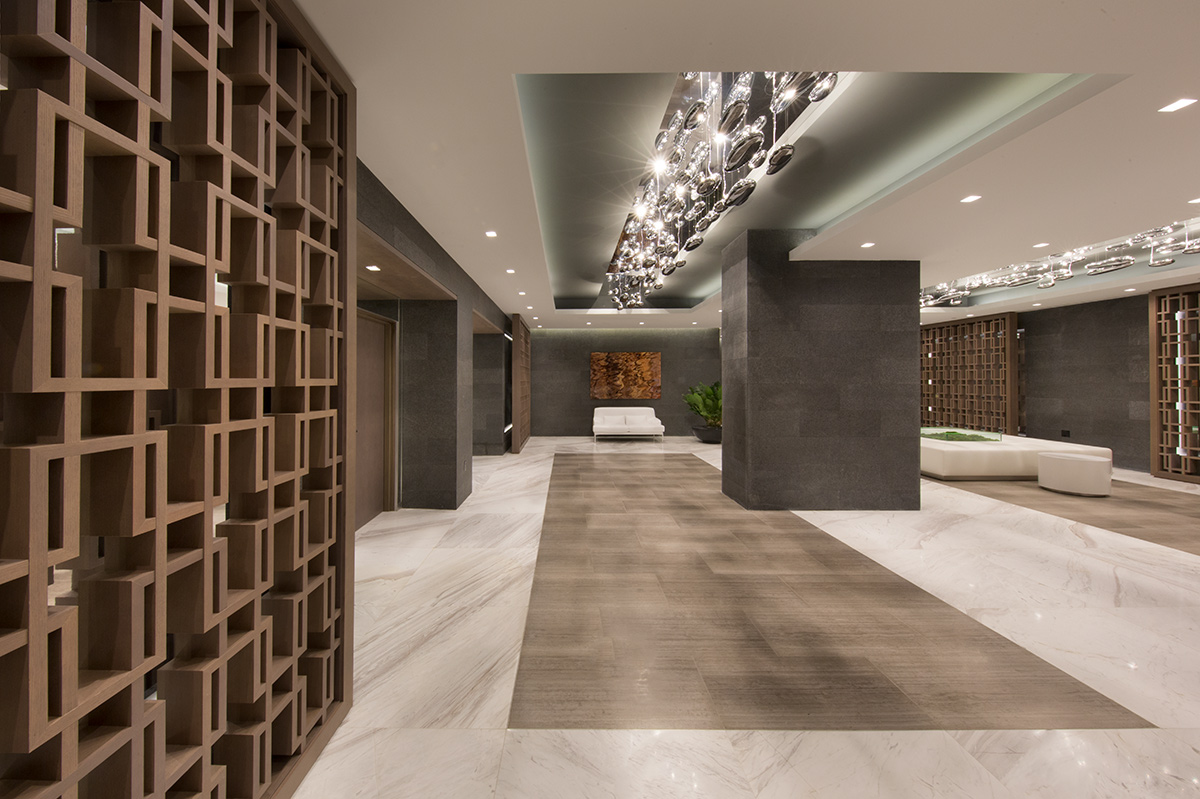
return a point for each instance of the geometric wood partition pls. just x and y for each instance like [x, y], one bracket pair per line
[175, 176]
[1175, 383]
[522, 364]
[969, 374]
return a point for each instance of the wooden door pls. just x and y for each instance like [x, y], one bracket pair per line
[376, 413]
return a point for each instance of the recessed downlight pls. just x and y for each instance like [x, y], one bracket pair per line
[491, 234]
[970, 315]
[694, 323]
[1194, 202]
[866, 245]
[641, 323]
[539, 327]
[535, 318]
[588, 323]
[1039, 245]
[529, 307]
[1182, 102]
[510, 271]
[970, 198]
[520, 294]
[1129, 290]
[1037, 305]
[373, 268]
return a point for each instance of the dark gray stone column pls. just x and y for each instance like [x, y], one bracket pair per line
[435, 404]
[491, 367]
[821, 379]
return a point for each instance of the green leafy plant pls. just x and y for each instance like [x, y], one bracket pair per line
[705, 402]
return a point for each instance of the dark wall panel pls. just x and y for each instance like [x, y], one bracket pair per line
[821, 379]
[562, 371]
[1087, 371]
[491, 388]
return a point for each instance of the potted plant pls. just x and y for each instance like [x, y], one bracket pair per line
[705, 402]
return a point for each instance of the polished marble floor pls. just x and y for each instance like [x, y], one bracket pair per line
[443, 596]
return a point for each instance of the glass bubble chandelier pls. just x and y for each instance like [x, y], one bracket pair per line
[717, 134]
[1158, 246]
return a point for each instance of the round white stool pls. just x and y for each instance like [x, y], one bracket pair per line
[1071, 473]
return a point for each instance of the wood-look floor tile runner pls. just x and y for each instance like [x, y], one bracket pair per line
[658, 602]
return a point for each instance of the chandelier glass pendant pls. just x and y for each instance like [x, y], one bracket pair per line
[721, 127]
[1160, 245]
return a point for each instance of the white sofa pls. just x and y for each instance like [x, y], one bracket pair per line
[625, 422]
[1010, 458]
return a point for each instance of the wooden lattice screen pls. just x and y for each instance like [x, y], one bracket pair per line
[1175, 383]
[174, 615]
[522, 385]
[969, 374]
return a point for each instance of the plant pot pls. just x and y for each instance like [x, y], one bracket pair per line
[708, 435]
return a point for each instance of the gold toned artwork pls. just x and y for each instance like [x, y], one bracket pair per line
[626, 375]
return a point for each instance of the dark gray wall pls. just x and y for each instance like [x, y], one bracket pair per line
[491, 384]
[1087, 371]
[822, 379]
[562, 405]
[431, 469]
[380, 211]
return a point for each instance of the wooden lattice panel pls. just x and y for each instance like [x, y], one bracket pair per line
[173, 606]
[1175, 383]
[969, 374]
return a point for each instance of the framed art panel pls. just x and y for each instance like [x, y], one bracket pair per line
[626, 375]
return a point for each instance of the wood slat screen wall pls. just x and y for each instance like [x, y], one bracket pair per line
[522, 365]
[174, 180]
[1175, 383]
[969, 374]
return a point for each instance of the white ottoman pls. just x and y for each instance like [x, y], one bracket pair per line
[1070, 473]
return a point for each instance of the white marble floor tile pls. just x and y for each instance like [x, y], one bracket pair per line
[924, 764]
[448, 669]
[1099, 764]
[494, 531]
[624, 764]
[1143, 478]
[468, 579]
[446, 764]
[769, 773]
[346, 767]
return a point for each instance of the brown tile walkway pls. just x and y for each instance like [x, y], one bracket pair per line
[658, 602]
[1159, 515]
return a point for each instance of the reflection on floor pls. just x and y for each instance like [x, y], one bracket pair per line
[442, 598]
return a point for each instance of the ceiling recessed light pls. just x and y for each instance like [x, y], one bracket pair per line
[491, 234]
[1043, 244]
[539, 327]
[529, 307]
[535, 318]
[1037, 305]
[970, 198]
[520, 294]
[693, 323]
[970, 315]
[1175, 106]
[510, 271]
[1128, 290]
[866, 245]
[588, 323]
[641, 323]
[373, 268]
[1194, 202]
[720, 310]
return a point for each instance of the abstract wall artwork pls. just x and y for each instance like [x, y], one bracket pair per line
[626, 375]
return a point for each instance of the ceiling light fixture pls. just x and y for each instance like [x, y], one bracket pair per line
[1175, 106]
[587, 323]
[520, 294]
[1129, 290]
[866, 245]
[529, 307]
[1041, 245]
[510, 271]
[641, 323]
[373, 268]
[1037, 305]
[1157, 246]
[491, 234]
[708, 158]
[535, 318]
[693, 323]
[970, 198]
[1194, 202]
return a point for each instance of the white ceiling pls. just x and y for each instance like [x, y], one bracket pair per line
[439, 121]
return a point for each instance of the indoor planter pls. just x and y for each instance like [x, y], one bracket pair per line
[705, 402]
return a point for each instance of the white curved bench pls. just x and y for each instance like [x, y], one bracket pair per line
[1073, 473]
[1010, 458]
